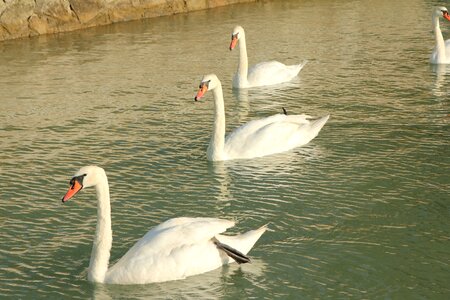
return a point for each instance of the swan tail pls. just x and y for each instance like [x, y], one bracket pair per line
[300, 66]
[243, 242]
[316, 125]
[238, 256]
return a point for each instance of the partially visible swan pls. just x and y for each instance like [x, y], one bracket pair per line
[441, 52]
[274, 134]
[265, 73]
[175, 249]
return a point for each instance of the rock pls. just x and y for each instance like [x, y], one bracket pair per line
[14, 18]
[22, 18]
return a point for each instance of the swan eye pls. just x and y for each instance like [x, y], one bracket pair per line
[78, 179]
[204, 83]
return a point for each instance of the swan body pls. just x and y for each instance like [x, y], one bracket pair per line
[441, 52]
[264, 73]
[274, 134]
[173, 250]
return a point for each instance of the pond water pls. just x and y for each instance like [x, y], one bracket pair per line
[362, 211]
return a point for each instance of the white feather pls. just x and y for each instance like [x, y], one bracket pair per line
[274, 134]
[173, 250]
[261, 74]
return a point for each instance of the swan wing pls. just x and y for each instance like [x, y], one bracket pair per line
[274, 134]
[272, 72]
[434, 58]
[251, 127]
[447, 49]
[170, 251]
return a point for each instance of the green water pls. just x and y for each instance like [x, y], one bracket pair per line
[360, 212]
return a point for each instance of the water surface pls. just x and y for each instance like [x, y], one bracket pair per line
[360, 212]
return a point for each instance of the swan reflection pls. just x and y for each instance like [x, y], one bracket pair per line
[274, 165]
[234, 175]
[210, 285]
[262, 99]
[440, 87]
[220, 173]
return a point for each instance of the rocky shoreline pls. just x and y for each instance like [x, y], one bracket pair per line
[26, 18]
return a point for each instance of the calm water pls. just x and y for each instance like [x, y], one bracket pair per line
[361, 212]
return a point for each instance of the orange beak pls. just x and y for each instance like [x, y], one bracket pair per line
[446, 15]
[74, 188]
[201, 92]
[233, 42]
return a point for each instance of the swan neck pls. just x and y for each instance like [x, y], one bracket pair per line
[440, 44]
[217, 143]
[101, 248]
[243, 59]
[435, 18]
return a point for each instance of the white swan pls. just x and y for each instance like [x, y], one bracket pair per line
[274, 134]
[265, 73]
[441, 52]
[173, 250]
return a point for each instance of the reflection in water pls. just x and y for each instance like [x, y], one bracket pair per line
[221, 175]
[441, 85]
[243, 104]
[211, 285]
[255, 170]
[275, 165]
[267, 99]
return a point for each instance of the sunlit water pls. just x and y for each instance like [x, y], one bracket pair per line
[360, 212]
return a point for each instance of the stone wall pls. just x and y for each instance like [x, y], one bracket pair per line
[23, 18]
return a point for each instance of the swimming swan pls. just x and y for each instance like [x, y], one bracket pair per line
[441, 52]
[264, 73]
[274, 134]
[175, 249]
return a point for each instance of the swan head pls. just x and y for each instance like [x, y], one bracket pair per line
[238, 32]
[209, 82]
[85, 177]
[441, 11]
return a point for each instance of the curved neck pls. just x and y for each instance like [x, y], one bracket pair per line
[440, 44]
[242, 70]
[101, 248]
[217, 143]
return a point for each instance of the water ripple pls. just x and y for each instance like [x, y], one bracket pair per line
[360, 212]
